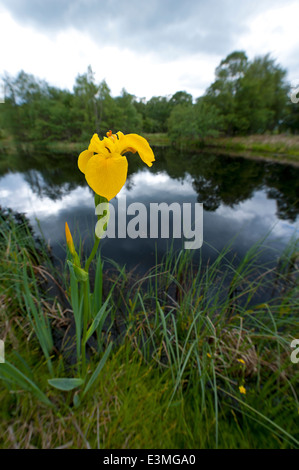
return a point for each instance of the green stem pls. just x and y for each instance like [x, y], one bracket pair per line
[85, 319]
[92, 254]
[86, 305]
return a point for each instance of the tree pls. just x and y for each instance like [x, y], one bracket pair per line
[250, 96]
[262, 96]
[208, 120]
[24, 95]
[182, 123]
[85, 91]
[193, 121]
[290, 121]
[222, 93]
[128, 119]
[180, 97]
[157, 112]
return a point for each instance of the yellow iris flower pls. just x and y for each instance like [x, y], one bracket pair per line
[104, 165]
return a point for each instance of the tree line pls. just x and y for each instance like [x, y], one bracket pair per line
[246, 97]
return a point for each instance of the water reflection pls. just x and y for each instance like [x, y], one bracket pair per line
[240, 196]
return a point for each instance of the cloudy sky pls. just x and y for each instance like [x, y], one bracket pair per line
[149, 47]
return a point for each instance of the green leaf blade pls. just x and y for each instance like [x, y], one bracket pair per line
[66, 384]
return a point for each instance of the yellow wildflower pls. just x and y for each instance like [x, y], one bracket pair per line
[242, 389]
[241, 360]
[104, 165]
[209, 355]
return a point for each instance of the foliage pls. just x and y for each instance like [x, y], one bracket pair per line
[36, 112]
[250, 96]
[194, 121]
[246, 97]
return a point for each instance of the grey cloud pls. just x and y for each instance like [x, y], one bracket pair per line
[169, 28]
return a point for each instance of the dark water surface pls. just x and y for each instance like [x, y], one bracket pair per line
[242, 198]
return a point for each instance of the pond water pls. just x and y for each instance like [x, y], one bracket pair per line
[242, 199]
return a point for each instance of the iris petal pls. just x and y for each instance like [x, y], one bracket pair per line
[106, 175]
[110, 145]
[96, 145]
[136, 143]
[83, 159]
